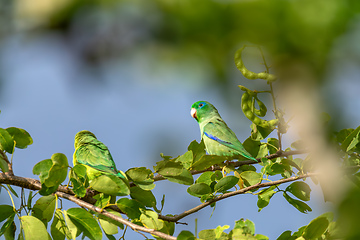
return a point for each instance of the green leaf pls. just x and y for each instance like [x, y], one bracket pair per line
[5, 227]
[20, 136]
[275, 168]
[145, 197]
[342, 134]
[58, 170]
[142, 177]
[299, 144]
[300, 190]
[353, 143]
[299, 205]
[108, 227]
[85, 222]
[198, 150]
[250, 178]
[111, 185]
[207, 234]
[111, 221]
[185, 235]
[345, 144]
[150, 219]
[264, 197]
[252, 146]
[199, 189]
[6, 211]
[3, 164]
[185, 178]
[259, 133]
[79, 180]
[44, 208]
[286, 236]
[217, 175]
[207, 161]
[33, 228]
[226, 183]
[316, 228]
[247, 226]
[6, 141]
[168, 227]
[273, 145]
[130, 207]
[74, 231]
[52, 172]
[42, 168]
[205, 178]
[168, 168]
[9, 233]
[220, 230]
[58, 227]
[186, 159]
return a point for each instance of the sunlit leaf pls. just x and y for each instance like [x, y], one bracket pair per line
[85, 222]
[111, 185]
[316, 228]
[20, 136]
[44, 208]
[250, 178]
[150, 219]
[6, 141]
[33, 228]
[186, 159]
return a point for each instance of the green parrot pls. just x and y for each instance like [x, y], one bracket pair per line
[94, 155]
[218, 137]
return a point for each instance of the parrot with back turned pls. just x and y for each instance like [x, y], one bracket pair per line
[94, 155]
[218, 138]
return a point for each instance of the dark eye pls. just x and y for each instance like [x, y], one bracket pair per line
[200, 105]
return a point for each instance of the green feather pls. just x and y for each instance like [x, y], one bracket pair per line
[94, 155]
[218, 138]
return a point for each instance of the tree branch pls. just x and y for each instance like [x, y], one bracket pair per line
[66, 193]
[226, 195]
[158, 177]
[133, 226]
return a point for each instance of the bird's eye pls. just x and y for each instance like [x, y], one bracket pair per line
[201, 105]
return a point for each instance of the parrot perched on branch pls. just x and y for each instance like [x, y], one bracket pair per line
[94, 155]
[218, 137]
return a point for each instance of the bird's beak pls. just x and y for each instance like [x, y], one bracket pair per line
[193, 113]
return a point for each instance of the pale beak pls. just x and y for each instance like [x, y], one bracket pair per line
[193, 113]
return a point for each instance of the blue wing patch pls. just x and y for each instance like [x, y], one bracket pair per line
[216, 138]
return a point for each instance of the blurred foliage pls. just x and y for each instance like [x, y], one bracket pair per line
[301, 31]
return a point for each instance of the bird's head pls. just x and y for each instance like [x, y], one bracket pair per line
[83, 136]
[202, 109]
